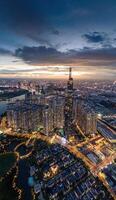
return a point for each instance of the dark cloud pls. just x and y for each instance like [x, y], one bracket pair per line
[55, 32]
[39, 39]
[39, 55]
[26, 18]
[36, 21]
[50, 56]
[40, 30]
[22, 14]
[5, 52]
[95, 37]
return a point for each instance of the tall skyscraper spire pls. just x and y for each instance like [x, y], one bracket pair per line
[70, 73]
[70, 81]
[68, 105]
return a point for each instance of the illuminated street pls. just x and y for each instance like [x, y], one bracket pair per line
[57, 100]
[94, 168]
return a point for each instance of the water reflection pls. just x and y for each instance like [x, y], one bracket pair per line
[3, 104]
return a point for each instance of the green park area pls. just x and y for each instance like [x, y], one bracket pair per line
[7, 161]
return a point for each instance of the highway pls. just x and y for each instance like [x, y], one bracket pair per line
[95, 168]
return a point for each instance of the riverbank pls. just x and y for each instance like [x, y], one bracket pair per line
[7, 191]
[22, 179]
[3, 104]
[7, 162]
[9, 95]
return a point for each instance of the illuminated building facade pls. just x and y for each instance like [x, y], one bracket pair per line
[23, 116]
[47, 120]
[68, 115]
[58, 110]
[86, 119]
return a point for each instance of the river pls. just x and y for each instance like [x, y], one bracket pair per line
[22, 181]
[3, 104]
[23, 172]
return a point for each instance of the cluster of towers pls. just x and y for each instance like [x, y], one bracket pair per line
[47, 112]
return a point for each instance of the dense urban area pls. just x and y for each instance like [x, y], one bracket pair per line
[57, 139]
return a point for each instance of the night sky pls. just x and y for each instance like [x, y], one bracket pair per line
[42, 38]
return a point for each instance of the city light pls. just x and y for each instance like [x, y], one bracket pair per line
[57, 100]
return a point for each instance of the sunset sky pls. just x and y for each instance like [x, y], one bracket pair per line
[43, 38]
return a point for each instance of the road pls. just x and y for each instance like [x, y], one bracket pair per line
[106, 131]
[94, 168]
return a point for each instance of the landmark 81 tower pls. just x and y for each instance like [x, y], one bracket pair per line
[68, 105]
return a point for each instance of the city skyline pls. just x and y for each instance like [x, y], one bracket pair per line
[57, 140]
[57, 99]
[43, 39]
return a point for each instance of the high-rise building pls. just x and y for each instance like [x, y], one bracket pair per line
[19, 85]
[42, 96]
[47, 120]
[37, 89]
[86, 118]
[42, 112]
[58, 111]
[70, 81]
[31, 98]
[68, 115]
[23, 116]
[75, 103]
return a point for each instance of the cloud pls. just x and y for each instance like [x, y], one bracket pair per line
[42, 55]
[5, 52]
[55, 32]
[80, 12]
[5, 71]
[95, 37]
[22, 14]
[39, 55]
[27, 19]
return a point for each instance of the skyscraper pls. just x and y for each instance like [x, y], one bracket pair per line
[86, 118]
[48, 119]
[23, 116]
[68, 105]
[70, 81]
[58, 110]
